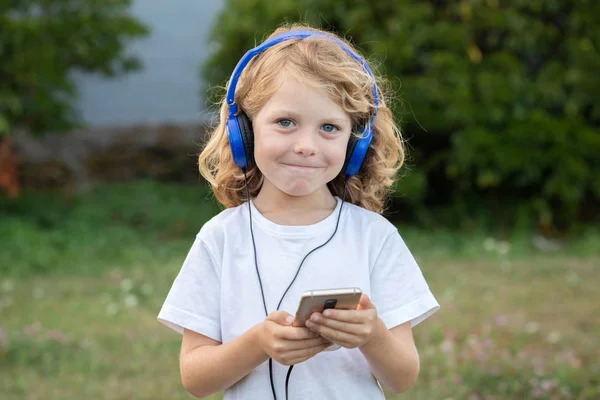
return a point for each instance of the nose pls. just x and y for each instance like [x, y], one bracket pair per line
[305, 144]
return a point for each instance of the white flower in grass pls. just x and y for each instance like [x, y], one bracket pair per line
[532, 327]
[573, 278]
[553, 337]
[126, 284]
[7, 285]
[447, 346]
[502, 247]
[489, 244]
[112, 308]
[130, 301]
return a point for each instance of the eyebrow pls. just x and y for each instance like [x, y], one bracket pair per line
[292, 114]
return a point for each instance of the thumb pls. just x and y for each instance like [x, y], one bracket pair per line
[281, 317]
[365, 303]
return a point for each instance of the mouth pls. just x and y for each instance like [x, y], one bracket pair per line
[303, 168]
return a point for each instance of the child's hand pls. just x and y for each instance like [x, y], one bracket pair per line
[348, 328]
[286, 344]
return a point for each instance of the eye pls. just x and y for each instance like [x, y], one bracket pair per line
[330, 128]
[285, 123]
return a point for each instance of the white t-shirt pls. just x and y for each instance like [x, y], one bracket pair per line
[217, 292]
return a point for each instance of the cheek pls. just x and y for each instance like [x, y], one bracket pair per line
[267, 148]
[338, 155]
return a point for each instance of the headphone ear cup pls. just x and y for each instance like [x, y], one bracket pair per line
[351, 146]
[356, 152]
[247, 137]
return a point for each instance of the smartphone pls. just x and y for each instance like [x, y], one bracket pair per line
[320, 300]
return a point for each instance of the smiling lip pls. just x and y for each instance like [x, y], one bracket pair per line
[301, 167]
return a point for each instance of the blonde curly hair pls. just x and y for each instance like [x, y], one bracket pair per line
[322, 63]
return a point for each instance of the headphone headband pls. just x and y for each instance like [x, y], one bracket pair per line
[297, 34]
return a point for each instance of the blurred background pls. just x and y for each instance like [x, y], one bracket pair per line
[104, 107]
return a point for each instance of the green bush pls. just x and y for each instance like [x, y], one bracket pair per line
[43, 42]
[501, 101]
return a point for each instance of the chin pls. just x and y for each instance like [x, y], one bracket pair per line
[297, 187]
[300, 190]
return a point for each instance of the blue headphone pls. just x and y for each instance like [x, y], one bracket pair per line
[239, 127]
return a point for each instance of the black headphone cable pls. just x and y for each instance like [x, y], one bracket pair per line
[287, 378]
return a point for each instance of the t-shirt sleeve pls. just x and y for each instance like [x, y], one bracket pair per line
[193, 301]
[398, 289]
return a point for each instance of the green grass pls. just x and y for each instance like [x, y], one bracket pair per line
[111, 225]
[82, 281]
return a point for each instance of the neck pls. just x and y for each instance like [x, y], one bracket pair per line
[284, 209]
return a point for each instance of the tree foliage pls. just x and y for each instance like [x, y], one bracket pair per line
[42, 42]
[501, 100]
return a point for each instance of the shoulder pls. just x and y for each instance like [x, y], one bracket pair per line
[215, 229]
[369, 222]
[375, 233]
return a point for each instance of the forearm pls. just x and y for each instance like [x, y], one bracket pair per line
[394, 363]
[210, 369]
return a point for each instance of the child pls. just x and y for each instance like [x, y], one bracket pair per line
[304, 154]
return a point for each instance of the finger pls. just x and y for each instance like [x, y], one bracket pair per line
[351, 316]
[357, 329]
[334, 335]
[365, 303]
[298, 356]
[348, 345]
[291, 333]
[306, 343]
[281, 317]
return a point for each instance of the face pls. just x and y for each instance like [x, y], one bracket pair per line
[300, 139]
